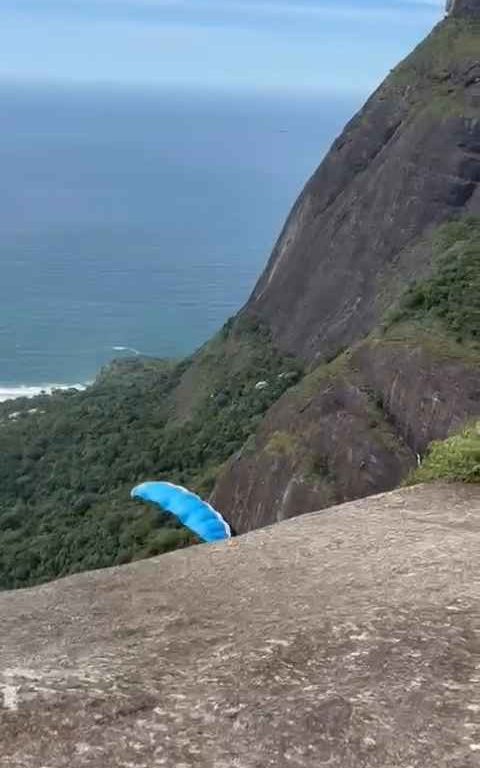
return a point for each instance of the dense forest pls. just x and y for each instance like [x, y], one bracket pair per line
[69, 460]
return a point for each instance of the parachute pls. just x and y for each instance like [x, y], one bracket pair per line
[198, 515]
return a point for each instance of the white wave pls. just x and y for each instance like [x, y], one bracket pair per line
[23, 390]
[127, 349]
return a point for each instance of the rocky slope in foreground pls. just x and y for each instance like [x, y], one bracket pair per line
[349, 638]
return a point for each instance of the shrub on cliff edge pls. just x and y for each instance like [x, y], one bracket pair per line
[454, 459]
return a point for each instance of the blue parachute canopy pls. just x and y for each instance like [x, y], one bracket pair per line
[200, 517]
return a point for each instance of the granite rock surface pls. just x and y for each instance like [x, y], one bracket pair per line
[348, 638]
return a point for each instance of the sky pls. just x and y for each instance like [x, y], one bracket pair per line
[340, 46]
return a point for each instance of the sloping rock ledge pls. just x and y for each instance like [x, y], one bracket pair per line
[347, 638]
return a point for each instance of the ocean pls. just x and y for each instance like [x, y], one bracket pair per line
[138, 222]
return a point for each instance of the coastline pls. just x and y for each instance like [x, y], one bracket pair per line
[14, 392]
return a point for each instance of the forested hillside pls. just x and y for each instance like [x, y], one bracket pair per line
[70, 460]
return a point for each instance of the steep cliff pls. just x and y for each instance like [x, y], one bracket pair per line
[407, 162]
[359, 424]
[367, 226]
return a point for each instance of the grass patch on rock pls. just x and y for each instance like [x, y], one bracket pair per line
[456, 459]
[282, 444]
[450, 298]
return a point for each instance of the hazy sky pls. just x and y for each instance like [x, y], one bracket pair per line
[325, 45]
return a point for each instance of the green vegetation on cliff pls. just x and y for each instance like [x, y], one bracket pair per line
[450, 297]
[355, 425]
[428, 75]
[456, 459]
[69, 461]
[450, 42]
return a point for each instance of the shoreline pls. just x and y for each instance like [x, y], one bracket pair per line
[16, 391]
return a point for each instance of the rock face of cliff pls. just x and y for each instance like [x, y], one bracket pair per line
[354, 428]
[348, 638]
[465, 8]
[369, 224]
[407, 162]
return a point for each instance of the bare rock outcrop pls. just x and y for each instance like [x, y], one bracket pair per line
[348, 430]
[348, 638]
[464, 8]
[408, 161]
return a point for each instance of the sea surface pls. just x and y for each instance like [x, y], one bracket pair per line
[138, 222]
